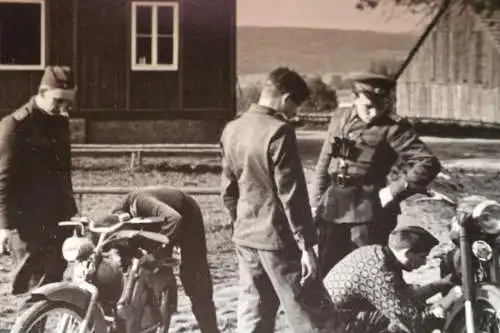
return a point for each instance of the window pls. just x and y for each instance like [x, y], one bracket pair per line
[155, 36]
[22, 34]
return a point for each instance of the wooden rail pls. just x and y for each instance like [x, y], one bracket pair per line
[125, 190]
[137, 151]
[79, 192]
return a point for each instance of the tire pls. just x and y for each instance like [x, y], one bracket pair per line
[486, 312]
[168, 305]
[32, 313]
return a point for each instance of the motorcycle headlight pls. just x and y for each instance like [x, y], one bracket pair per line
[77, 248]
[482, 250]
[487, 215]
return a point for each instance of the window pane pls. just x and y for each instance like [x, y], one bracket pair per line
[165, 20]
[143, 20]
[20, 38]
[143, 52]
[165, 50]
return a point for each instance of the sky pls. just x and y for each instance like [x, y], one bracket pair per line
[334, 14]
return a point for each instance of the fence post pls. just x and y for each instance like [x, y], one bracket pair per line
[139, 158]
[80, 202]
[132, 160]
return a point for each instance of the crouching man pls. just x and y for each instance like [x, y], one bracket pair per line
[368, 287]
[183, 224]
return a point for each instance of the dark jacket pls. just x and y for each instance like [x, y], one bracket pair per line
[263, 183]
[171, 204]
[373, 151]
[35, 170]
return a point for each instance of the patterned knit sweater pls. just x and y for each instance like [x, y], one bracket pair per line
[369, 279]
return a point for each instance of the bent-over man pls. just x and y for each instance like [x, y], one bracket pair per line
[369, 290]
[184, 226]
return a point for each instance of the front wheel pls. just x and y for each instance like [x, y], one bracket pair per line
[45, 316]
[486, 312]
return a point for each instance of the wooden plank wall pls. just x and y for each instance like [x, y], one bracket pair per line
[456, 73]
[445, 101]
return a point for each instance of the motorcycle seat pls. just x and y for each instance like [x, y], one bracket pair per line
[141, 235]
[111, 225]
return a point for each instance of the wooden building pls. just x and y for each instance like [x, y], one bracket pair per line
[455, 75]
[147, 71]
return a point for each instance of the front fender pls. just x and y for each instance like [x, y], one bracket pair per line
[485, 291]
[69, 292]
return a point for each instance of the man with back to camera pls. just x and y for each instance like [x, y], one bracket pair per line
[354, 203]
[36, 190]
[265, 193]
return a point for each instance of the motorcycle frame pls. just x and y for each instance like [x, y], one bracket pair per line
[469, 286]
[82, 294]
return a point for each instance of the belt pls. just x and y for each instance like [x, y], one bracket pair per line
[349, 180]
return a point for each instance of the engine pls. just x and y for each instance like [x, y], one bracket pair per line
[109, 280]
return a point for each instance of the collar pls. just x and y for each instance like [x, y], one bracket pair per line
[391, 259]
[257, 108]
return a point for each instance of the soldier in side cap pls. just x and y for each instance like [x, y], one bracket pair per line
[36, 190]
[353, 200]
[371, 295]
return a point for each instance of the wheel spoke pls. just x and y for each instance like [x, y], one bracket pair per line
[58, 320]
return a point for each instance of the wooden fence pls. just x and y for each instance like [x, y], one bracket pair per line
[79, 192]
[137, 151]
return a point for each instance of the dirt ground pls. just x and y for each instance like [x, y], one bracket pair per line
[433, 215]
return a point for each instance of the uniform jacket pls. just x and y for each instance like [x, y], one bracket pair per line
[372, 153]
[173, 205]
[370, 278]
[263, 183]
[36, 190]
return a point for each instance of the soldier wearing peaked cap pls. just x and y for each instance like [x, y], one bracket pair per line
[36, 190]
[353, 201]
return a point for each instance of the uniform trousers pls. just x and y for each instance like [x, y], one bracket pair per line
[336, 240]
[271, 278]
[194, 270]
[38, 255]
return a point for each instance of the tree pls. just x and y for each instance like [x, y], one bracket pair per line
[480, 6]
[323, 97]
[388, 67]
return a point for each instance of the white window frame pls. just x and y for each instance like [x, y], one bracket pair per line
[41, 66]
[154, 42]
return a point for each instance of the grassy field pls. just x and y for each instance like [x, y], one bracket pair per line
[435, 216]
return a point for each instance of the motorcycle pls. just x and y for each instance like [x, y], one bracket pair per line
[123, 282]
[475, 230]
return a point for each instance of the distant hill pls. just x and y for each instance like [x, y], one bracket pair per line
[316, 50]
